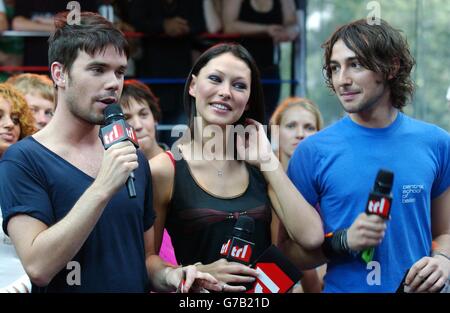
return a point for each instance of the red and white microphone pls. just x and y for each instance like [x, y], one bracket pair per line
[380, 199]
[276, 274]
[116, 130]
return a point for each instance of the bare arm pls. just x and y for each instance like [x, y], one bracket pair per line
[301, 220]
[165, 276]
[302, 258]
[440, 222]
[211, 11]
[24, 24]
[3, 22]
[232, 24]
[44, 250]
[429, 274]
[289, 12]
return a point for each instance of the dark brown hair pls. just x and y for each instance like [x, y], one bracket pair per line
[379, 48]
[134, 89]
[256, 99]
[93, 34]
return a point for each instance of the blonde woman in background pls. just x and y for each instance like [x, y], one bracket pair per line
[298, 118]
[39, 93]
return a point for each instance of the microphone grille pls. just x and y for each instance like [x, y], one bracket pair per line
[244, 227]
[384, 181]
[112, 111]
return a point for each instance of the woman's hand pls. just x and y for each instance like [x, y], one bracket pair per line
[189, 279]
[229, 272]
[254, 147]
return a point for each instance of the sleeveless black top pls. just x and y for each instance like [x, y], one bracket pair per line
[199, 223]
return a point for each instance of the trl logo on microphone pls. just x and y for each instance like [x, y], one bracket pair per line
[379, 205]
[237, 250]
[115, 134]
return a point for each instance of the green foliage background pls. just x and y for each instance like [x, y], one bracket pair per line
[426, 25]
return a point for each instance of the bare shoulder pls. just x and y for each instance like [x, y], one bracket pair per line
[163, 171]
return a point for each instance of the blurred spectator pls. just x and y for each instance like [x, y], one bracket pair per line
[16, 122]
[298, 118]
[11, 48]
[264, 23]
[212, 16]
[39, 93]
[37, 15]
[212, 12]
[170, 25]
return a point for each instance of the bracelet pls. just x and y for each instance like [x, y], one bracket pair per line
[336, 245]
[434, 253]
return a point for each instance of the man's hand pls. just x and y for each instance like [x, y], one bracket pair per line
[118, 162]
[367, 231]
[429, 274]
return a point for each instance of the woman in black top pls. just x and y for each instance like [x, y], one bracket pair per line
[199, 196]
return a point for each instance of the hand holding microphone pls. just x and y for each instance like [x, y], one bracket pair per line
[368, 229]
[378, 204]
[120, 142]
[232, 270]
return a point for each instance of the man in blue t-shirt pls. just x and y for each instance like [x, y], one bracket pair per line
[62, 196]
[368, 67]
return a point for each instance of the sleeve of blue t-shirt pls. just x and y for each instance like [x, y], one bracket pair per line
[149, 212]
[442, 181]
[301, 171]
[22, 192]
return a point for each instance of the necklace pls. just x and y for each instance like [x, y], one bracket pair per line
[219, 171]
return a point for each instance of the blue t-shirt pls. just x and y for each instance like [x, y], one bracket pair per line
[337, 168]
[37, 182]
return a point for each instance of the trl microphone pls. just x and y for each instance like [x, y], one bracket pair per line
[116, 130]
[240, 246]
[379, 203]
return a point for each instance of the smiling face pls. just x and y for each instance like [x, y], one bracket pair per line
[94, 83]
[221, 90]
[357, 88]
[296, 124]
[9, 125]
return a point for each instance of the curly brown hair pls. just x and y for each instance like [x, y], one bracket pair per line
[19, 107]
[379, 48]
